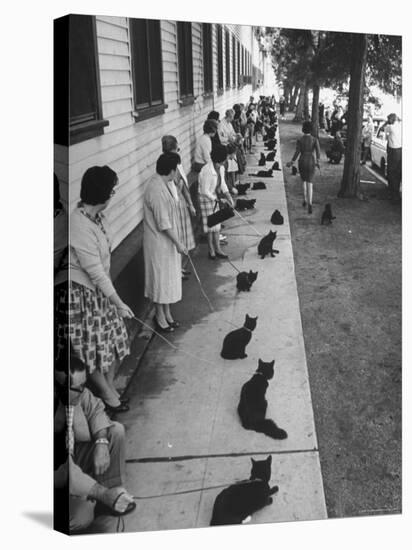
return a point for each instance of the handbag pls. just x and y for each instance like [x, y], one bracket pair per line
[224, 213]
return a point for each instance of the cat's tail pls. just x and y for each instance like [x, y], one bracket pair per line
[270, 428]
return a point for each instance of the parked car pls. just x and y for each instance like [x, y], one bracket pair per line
[378, 146]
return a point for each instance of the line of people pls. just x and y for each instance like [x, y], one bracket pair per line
[90, 315]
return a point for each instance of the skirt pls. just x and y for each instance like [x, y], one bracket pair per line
[184, 223]
[207, 207]
[306, 166]
[88, 319]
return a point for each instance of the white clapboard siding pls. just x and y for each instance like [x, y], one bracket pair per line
[131, 148]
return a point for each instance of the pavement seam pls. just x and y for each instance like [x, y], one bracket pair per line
[182, 458]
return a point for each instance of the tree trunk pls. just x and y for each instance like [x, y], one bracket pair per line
[294, 98]
[315, 110]
[299, 116]
[351, 171]
[306, 115]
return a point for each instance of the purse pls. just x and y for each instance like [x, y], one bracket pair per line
[224, 213]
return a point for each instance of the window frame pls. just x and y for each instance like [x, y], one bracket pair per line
[185, 63]
[67, 131]
[238, 50]
[227, 59]
[153, 109]
[207, 50]
[234, 64]
[220, 68]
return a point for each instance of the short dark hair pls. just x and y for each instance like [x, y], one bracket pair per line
[166, 163]
[219, 153]
[307, 127]
[210, 126]
[169, 143]
[97, 185]
[213, 115]
[230, 148]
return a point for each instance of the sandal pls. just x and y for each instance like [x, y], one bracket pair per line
[174, 324]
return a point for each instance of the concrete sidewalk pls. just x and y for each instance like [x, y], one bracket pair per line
[183, 431]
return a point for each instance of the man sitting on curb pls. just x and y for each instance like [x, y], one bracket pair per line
[95, 467]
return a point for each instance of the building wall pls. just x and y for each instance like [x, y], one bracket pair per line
[131, 148]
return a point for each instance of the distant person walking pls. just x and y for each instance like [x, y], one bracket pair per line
[393, 134]
[307, 148]
[282, 105]
[367, 135]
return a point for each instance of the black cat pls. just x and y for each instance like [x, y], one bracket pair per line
[277, 218]
[275, 166]
[245, 280]
[271, 155]
[262, 160]
[234, 344]
[245, 204]
[265, 245]
[271, 144]
[238, 501]
[242, 188]
[327, 215]
[270, 133]
[259, 185]
[294, 170]
[252, 405]
[263, 174]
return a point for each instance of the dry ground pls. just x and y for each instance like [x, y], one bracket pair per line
[349, 285]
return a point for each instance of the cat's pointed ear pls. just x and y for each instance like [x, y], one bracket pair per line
[272, 363]
[247, 317]
[260, 362]
[254, 461]
[269, 459]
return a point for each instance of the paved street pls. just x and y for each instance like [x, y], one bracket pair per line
[183, 432]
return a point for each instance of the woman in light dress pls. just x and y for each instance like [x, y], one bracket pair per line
[162, 244]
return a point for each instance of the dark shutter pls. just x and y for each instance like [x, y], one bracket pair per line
[207, 58]
[234, 79]
[220, 57]
[184, 40]
[146, 56]
[227, 57]
[78, 110]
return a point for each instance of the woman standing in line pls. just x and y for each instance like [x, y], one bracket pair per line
[184, 203]
[89, 312]
[307, 147]
[162, 244]
[211, 183]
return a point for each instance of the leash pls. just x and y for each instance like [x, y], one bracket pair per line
[176, 348]
[200, 283]
[233, 265]
[251, 225]
[181, 492]
[120, 528]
